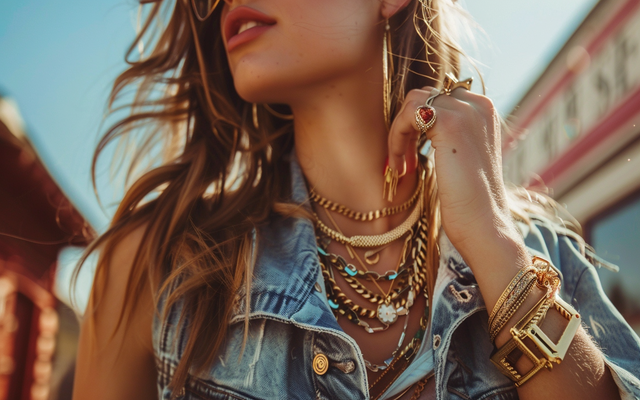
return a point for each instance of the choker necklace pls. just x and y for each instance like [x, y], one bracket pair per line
[372, 240]
[371, 215]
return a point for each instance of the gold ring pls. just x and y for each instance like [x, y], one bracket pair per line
[425, 118]
[451, 83]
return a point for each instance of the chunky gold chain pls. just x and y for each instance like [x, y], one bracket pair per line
[372, 240]
[415, 280]
[365, 216]
[340, 264]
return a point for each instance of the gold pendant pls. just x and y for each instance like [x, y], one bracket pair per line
[375, 254]
[387, 313]
[391, 177]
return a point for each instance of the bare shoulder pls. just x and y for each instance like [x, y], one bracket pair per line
[115, 354]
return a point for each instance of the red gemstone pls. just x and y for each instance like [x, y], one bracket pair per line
[426, 114]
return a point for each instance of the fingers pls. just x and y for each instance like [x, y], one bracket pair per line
[405, 133]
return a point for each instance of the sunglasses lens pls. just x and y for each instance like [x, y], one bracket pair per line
[203, 8]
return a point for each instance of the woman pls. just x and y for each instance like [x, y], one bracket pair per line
[259, 260]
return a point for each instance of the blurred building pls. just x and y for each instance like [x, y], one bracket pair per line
[577, 131]
[36, 222]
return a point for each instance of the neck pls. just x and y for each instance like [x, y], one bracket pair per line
[341, 144]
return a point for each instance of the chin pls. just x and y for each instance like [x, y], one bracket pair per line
[256, 84]
[262, 87]
[283, 77]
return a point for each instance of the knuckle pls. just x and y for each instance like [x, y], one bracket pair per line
[410, 107]
[485, 103]
[449, 120]
[457, 123]
[415, 95]
[415, 103]
[414, 92]
[466, 107]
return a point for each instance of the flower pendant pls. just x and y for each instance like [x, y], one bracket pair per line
[387, 313]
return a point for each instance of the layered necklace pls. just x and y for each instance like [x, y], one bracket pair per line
[407, 279]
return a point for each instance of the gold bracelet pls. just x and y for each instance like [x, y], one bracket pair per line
[546, 277]
[528, 327]
[512, 305]
[509, 291]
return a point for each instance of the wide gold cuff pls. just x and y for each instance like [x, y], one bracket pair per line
[528, 327]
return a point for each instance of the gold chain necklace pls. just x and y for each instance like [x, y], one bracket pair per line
[340, 264]
[366, 216]
[398, 301]
[372, 240]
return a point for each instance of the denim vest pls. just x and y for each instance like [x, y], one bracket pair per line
[291, 322]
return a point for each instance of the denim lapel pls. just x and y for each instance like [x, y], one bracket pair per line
[287, 267]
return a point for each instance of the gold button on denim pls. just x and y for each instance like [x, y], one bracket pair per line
[320, 364]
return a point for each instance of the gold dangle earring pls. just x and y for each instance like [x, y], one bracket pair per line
[254, 112]
[391, 175]
[387, 70]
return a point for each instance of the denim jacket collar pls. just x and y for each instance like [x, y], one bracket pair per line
[287, 270]
[287, 287]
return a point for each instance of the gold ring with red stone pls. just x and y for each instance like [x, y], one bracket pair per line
[426, 115]
[425, 118]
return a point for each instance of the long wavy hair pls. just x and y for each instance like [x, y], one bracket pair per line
[220, 177]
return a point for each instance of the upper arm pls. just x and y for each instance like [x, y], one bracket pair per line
[115, 360]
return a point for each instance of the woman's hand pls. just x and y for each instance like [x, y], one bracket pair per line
[466, 138]
[477, 220]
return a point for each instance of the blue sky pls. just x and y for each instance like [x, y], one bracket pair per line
[58, 60]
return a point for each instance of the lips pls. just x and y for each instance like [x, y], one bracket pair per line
[243, 24]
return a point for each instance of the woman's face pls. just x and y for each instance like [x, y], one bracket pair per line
[299, 45]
